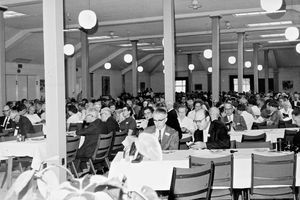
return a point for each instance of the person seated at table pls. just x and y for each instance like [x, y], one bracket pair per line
[286, 110]
[22, 122]
[241, 110]
[210, 134]
[296, 118]
[92, 133]
[197, 106]
[33, 118]
[22, 109]
[275, 115]
[167, 136]
[186, 124]
[75, 116]
[128, 125]
[5, 121]
[112, 124]
[172, 118]
[232, 120]
[148, 121]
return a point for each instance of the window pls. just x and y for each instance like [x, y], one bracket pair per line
[180, 86]
[246, 84]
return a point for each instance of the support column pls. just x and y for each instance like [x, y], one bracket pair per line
[266, 67]
[134, 68]
[2, 59]
[190, 61]
[71, 76]
[215, 57]
[241, 36]
[255, 64]
[55, 84]
[123, 83]
[169, 49]
[86, 83]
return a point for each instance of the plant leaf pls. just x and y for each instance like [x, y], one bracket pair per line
[59, 194]
[102, 196]
[47, 182]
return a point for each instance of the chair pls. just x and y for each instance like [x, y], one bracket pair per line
[72, 147]
[38, 128]
[102, 151]
[75, 126]
[256, 125]
[223, 175]
[191, 183]
[117, 143]
[273, 177]
[289, 136]
[241, 145]
[254, 138]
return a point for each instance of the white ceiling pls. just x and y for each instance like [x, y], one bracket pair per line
[142, 20]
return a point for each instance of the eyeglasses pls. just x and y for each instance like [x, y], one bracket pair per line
[159, 120]
[147, 113]
[5, 110]
[199, 121]
[89, 115]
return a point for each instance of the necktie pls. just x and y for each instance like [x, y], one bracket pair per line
[4, 122]
[159, 136]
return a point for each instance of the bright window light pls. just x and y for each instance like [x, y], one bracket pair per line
[138, 44]
[11, 14]
[257, 13]
[272, 35]
[102, 37]
[270, 23]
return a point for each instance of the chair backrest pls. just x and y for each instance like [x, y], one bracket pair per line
[254, 138]
[37, 128]
[192, 183]
[37, 134]
[240, 145]
[118, 139]
[75, 126]
[256, 125]
[223, 171]
[72, 147]
[103, 146]
[289, 136]
[273, 170]
[8, 138]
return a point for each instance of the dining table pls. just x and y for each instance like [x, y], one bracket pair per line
[158, 174]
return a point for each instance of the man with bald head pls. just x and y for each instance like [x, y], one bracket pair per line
[211, 134]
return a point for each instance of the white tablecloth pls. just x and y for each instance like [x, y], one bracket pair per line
[32, 148]
[272, 134]
[158, 174]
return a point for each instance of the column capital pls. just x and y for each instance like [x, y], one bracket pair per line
[3, 8]
[240, 32]
[215, 16]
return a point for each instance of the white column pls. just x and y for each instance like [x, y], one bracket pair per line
[240, 61]
[255, 63]
[2, 58]
[190, 61]
[215, 57]
[86, 83]
[71, 76]
[266, 67]
[169, 49]
[134, 68]
[55, 83]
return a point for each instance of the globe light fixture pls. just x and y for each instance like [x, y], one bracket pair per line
[107, 65]
[163, 71]
[140, 68]
[291, 33]
[247, 64]
[231, 60]
[163, 42]
[298, 48]
[191, 67]
[128, 58]
[207, 53]
[209, 69]
[259, 67]
[87, 19]
[163, 62]
[271, 5]
[69, 49]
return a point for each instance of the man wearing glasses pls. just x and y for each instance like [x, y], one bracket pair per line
[5, 120]
[210, 134]
[167, 137]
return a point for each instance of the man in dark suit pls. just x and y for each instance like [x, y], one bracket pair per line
[21, 122]
[167, 137]
[173, 118]
[231, 120]
[5, 121]
[92, 132]
[210, 134]
[112, 124]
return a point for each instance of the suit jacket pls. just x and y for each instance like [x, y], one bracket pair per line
[238, 120]
[170, 139]
[91, 133]
[8, 125]
[297, 104]
[173, 122]
[25, 126]
[112, 125]
[219, 138]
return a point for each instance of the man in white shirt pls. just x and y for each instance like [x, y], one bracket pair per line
[186, 124]
[241, 109]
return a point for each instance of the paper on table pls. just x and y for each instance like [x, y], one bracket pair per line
[148, 145]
